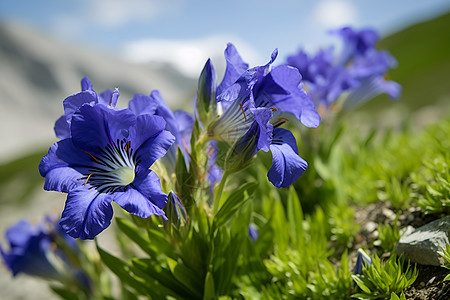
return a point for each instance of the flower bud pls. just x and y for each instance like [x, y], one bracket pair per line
[363, 259]
[175, 211]
[206, 94]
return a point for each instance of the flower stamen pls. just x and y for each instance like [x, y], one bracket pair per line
[243, 111]
[280, 122]
[88, 178]
[91, 156]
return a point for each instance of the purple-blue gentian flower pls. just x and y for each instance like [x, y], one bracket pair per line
[287, 164]
[324, 80]
[29, 251]
[279, 88]
[362, 260]
[249, 104]
[369, 71]
[87, 96]
[355, 42]
[107, 158]
[178, 122]
[357, 71]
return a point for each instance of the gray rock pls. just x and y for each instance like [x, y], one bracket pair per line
[424, 245]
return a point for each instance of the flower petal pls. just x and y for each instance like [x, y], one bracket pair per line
[147, 127]
[154, 148]
[109, 98]
[235, 68]
[97, 126]
[62, 129]
[87, 213]
[86, 84]
[287, 164]
[144, 196]
[74, 102]
[59, 176]
[142, 104]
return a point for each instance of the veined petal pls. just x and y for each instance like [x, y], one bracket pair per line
[87, 213]
[59, 176]
[262, 117]
[147, 126]
[154, 148]
[97, 126]
[62, 179]
[144, 197]
[142, 104]
[74, 102]
[287, 164]
[109, 98]
[235, 122]
[62, 129]
[148, 184]
[235, 68]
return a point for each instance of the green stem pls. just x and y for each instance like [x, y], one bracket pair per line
[219, 191]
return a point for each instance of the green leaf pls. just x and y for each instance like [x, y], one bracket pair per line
[136, 235]
[159, 280]
[64, 293]
[234, 202]
[361, 284]
[184, 180]
[209, 287]
[295, 218]
[186, 276]
[122, 270]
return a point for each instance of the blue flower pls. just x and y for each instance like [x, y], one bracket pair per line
[32, 250]
[87, 96]
[357, 71]
[287, 165]
[279, 89]
[250, 104]
[355, 42]
[370, 71]
[324, 80]
[178, 122]
[107, 158]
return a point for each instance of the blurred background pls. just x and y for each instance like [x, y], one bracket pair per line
[47, 46]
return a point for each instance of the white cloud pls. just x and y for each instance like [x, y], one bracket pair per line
[188, 56]
[335, 13]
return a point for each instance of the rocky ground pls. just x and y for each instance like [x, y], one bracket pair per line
[429, 283]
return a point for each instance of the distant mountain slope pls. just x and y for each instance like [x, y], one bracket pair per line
[38, 72]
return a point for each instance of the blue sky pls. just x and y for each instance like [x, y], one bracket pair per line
[187, 32]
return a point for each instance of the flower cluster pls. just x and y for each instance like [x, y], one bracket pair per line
[249, 107]
[201, 236]
[358, 70]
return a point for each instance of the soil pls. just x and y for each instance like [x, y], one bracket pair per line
[429, 283]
